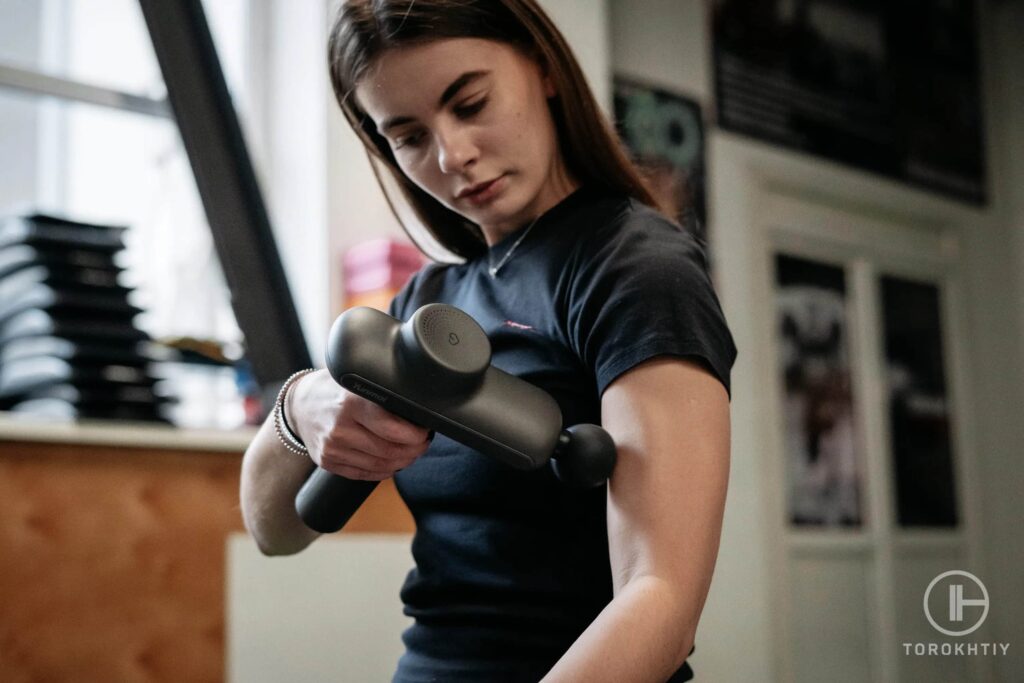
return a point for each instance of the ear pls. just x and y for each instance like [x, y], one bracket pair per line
[545, 74]
[549, 85]
[550, 90]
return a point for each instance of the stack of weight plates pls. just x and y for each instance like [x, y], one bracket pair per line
[68, 344]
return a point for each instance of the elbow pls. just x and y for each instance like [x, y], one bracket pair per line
[685, 651]
[267, 546]
[276, 549]
[686, 634]
[279, 547]
[275, 540]
[678, 615]
[681, 645]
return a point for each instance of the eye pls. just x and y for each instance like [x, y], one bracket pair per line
[471, 108]
[410, 140]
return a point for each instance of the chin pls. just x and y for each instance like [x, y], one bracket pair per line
[500, 211]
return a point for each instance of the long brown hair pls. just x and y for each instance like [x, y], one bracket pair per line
[363, 29]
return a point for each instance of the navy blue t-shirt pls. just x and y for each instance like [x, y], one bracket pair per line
[512, 566]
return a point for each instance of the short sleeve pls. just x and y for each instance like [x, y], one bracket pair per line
[640, 288]
[399, 303]
[397, 306]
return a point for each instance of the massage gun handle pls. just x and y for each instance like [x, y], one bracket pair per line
[327, 501]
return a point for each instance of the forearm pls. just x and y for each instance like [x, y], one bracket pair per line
[271, 476]
[644, 635]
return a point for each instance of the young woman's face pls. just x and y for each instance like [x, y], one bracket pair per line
[469, 123]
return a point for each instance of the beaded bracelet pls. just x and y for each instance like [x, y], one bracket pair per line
[284, 433]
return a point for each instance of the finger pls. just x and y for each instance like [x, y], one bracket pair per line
[389, 426]
[334, 457]
[362, 439]
[356, 474]
[356, 465]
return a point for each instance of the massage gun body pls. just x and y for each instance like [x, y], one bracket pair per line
[435, 371]
[501, 416]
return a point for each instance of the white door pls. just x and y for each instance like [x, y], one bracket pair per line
[869, 482]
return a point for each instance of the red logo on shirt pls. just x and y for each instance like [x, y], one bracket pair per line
[518, 326]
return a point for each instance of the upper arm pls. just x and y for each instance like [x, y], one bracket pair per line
[669, 418]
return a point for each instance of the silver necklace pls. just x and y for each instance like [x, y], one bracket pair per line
[492, 269]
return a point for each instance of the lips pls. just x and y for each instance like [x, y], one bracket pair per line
[477, 189]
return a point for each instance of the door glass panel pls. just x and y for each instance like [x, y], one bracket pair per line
[919, 416]
[823, 460]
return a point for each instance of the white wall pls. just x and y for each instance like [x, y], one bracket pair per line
[663, 42]
[995, 259]
[585, 24]
[667, 43]
[291, 151]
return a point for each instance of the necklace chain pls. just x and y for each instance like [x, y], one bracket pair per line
[492, 269]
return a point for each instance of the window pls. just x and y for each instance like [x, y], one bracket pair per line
[87, 134]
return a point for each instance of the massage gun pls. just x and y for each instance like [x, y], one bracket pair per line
[435, 371]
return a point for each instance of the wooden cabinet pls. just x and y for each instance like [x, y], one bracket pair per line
[112, 559]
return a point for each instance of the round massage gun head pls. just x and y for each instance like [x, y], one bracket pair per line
[445, 348]
[585, 456]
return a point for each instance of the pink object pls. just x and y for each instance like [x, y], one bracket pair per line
[379, 265]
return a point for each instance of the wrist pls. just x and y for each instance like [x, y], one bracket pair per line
[291, 408]
[285, 434]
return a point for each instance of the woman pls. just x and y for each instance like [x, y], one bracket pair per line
[477, 112]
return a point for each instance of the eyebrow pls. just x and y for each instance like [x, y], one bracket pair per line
[449, 92]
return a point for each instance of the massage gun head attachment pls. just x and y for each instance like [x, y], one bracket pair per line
[444, 348]
[584, 456]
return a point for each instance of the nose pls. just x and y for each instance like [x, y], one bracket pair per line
[456, 150]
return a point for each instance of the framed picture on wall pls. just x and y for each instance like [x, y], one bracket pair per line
[824, 469]
[664, 131]
[889, 87]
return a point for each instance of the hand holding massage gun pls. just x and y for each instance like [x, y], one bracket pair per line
[434, 371]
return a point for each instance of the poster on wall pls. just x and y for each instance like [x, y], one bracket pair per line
[665, 135]
[891, 88]
[823, 460]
